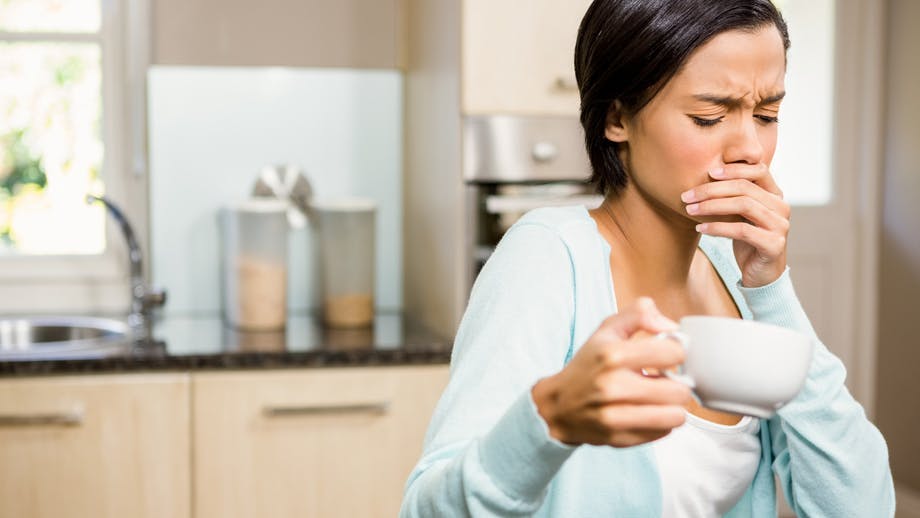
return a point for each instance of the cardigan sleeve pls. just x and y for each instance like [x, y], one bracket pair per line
[487, 451]
[831, 460]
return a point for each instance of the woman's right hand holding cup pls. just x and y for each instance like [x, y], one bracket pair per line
[601, 397]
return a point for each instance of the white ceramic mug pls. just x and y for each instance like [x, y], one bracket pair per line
[741, 366]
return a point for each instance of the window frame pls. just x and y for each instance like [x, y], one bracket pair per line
[97, 283]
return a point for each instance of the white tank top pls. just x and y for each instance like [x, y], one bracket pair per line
[706, 467]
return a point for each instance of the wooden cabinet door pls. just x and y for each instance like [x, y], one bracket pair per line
[95, 447]
[309, 443]
[517, 57]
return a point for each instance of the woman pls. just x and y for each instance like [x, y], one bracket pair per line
[548, 411]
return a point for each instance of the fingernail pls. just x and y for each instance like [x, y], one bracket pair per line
[693, 208]
[687, 196]
[701, 227]
[717, 172]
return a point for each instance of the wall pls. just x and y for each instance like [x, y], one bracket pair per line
[435, 282]
[212, 129]
[898, 414]
[303, 33]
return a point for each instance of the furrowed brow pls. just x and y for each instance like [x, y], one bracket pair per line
[735, 102]
[773, 98]
[719, 100]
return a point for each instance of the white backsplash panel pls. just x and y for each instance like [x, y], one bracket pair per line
[212, 129]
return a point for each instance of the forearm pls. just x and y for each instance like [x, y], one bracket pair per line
[504, 473]
[831, 460]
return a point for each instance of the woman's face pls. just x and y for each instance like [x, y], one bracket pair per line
[720, 108]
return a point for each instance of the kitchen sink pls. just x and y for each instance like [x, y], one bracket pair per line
[61, 337]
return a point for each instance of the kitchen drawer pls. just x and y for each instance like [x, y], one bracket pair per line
[321, 442]
[95, 446]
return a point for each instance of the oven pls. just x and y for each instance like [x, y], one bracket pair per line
[512, 164]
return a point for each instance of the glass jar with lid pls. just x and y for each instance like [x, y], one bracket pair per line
[255, 264]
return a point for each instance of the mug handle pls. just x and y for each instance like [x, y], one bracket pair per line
[681, 376]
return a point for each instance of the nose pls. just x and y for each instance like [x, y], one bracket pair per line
[743, 143]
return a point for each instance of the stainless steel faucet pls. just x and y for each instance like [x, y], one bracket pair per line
[143, 297]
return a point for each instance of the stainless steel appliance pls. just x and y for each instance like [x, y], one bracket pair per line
[512, 164]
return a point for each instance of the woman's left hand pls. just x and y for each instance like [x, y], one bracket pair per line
[761, 223]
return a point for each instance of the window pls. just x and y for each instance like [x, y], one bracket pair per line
[804, 158]
[71, 122]
[51, 143]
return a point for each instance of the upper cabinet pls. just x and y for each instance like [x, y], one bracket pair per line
[296, 33]
[517, 57]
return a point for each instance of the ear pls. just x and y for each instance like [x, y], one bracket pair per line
[616, 129]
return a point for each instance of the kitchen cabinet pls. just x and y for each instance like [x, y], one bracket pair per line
[299, 33]
[296, 442]
[319, 442]
[95, 446]
[518, 56]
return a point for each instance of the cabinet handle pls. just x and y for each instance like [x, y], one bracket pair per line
[543, 152]
[56, 419]
[310, 410]
[566, 83]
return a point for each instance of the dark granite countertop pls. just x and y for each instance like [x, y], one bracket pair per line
[203, 342]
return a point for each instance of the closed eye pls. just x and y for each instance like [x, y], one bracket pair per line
[704, 122]
[767, 119]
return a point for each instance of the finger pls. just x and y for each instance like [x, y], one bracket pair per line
[757, 173]
[636, 354]
[749, 208]
[625, 439]
[642, 417]
[628, 387]
[769, 244]
[598, 434]
[641, 316]
[737, 187]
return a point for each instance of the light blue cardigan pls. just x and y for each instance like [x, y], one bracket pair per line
[544, 291]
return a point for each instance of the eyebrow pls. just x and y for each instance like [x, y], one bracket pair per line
[733, 102]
